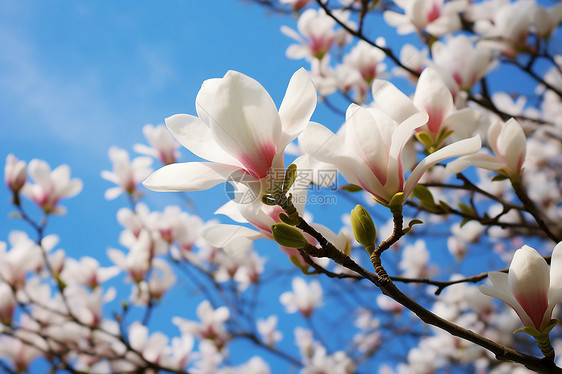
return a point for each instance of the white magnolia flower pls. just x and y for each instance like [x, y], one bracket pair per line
[211, 326]
[268, 330]
[304, 297]
[530, 287]
[87, 272]
[319, 35]
[126, 174]
[369, 150]
[460, 62]
[50, 186]
[240, 132]
[162, 145]
[508, 142]
[437, 17]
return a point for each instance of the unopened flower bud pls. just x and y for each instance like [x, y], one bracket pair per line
[288, 236]
[14, 173]
[363, 227]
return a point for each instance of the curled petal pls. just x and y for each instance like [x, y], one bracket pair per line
[460, 148]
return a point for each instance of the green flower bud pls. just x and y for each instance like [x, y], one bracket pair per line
[288, 236]
[363, 227]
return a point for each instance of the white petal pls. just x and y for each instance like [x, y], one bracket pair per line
[392, 101]
[433, 96]
[190, 176]
[297, 106]
[220, 235]
[460, 148]
[195, 135]
[243, 119]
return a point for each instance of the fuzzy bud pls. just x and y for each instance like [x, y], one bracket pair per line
[288, 236]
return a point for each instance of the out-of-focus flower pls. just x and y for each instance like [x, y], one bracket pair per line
[162, 145]
[509, 27]
[87, 272]
[508, 142]
[369, 151]
[461, 63]
[50, 186]
[137, 262]
[304, 297]
[240, 131]
[211, 326]
[14, 173]
[435, 16]
[153, 348]
[161, 279]
[415, 261]
[18, 353]
[318, 29]
[530, 287]
[268, 330]
[126, 174]
[23, 256]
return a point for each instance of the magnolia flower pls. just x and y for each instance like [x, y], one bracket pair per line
[126, 174]
[211, 326]
[87, 272]
[435, 16]
[14, 173]
[369, 151]
[433, 97]
[268, 330]
[318, 28]
[162, 144]
[529, 287]
[461, 63]
[508, 142]
[50, 186]
[304, 298]
[239, 130]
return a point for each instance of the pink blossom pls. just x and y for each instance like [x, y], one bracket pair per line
[529, 287]
[126, 174]
[50, 186]
[162, 145]
[240, 132]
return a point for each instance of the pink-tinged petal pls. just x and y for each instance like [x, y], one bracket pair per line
[195, 135]
[363, 136]
[433, 96]
[189, 176]
[512, 145]
[529, 281]
[392, 101]
[243, 120]
[297, 106]
[480, 160]
[460, 148]
[503, 293]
